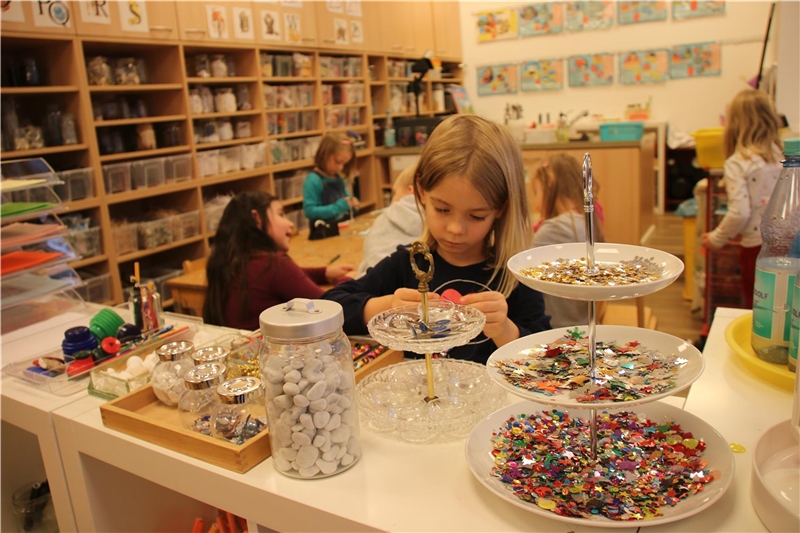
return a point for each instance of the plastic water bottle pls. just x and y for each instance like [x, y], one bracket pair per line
[775, 266]
[794, 337]
[388, 133]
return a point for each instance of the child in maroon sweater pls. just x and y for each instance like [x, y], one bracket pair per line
[249, 270]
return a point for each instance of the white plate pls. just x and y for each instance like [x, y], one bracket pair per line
[650, 339]
[603, 253]
[717, 453]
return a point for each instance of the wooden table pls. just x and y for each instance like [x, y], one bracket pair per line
[189, 290]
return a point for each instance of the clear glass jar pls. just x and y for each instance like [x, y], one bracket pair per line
[225, 100]
[202, 66]
[240, 414]
[210, 354]
[195, 101]
[243, 97]
[145, 137]
[167, 378]
[207, 97]
[197, 404]
[126, 72]
[69, 132]
[225, 129]
[219, 66]
[242, 129]
[98, 70]
[307, 367]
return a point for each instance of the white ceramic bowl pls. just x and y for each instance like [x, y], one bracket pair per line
[603, 253]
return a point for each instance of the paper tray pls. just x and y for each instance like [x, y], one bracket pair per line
[140, 414]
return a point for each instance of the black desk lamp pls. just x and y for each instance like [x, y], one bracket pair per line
[420, 67]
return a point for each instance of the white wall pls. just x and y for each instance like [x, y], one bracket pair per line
[688, 104]
[787, 97]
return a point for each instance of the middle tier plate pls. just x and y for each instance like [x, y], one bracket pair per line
[668, 266]
[645, 365]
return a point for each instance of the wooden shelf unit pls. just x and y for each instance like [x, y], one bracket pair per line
[169, 56]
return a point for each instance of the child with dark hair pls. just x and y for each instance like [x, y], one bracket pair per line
[249, 270]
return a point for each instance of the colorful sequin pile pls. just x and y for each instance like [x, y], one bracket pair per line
[641, 467]
[624, 372]
[575, 272]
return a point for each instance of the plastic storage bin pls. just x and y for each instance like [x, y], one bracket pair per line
[126, 238]
[213, 216]
[86, 242]
[185, 225]
[230, 159]
[621, 131]
[208, 163]
[710, 147]
[78, 184]
[117, 177]
[155, 233]
[96, 289]
[147, 173]
[178, 168]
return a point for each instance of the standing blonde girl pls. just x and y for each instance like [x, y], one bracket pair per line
[470, 187]
[753, 150]
[557, 195]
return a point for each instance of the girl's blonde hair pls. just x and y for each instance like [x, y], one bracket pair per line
[752, 126]
[331, 144]
[485, 154]
[404, 179]
[561, 180]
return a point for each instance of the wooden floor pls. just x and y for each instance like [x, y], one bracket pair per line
[671, 310]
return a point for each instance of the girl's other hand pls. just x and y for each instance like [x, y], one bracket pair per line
[334, 272]
[706, 242]
[353, 202]
[493, 304]
[403, 297]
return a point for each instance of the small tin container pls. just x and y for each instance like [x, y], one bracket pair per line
[241, 414]
[197, 404]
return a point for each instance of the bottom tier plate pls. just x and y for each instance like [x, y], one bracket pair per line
[717, 453]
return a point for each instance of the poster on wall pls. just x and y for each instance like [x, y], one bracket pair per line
[496, 25]
[133, 17]
[540, 19]
[590, 69]
[694, 9]
[356, 31]
[644, 66]
[340, 31]
[48, 14]
[634, 12]
[294, 29]
[11, 11]
[692, 60]
[270, 25]
[589, 15]
[497, 79]
[460, 99]
[243, 23]
[542, 75]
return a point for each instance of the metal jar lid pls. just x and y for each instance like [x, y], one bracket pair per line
[205, 376]
[301, 318]
[239, 390]
[172, 351]
[210, 354]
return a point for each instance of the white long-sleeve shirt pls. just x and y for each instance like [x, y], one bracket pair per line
[749, 184]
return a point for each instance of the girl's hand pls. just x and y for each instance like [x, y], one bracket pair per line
[493, 304]
[334, 272]
[706, 242]
[353, 202]
[403, 297]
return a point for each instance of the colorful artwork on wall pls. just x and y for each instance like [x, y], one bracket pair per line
[590, 69]
[495, 25]
[497, 79]
[634, 12]
[692, 9]
[589, 15]
[542, 75]
[692, 60]
[644, 66]
[540, 19]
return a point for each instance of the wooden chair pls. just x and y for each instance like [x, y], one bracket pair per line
[192, 265]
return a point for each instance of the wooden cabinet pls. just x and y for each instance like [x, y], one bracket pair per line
[291, 25]
[340, 30]
[224, 21]
[446, 30]
[40, 16]
[419, 32]
[392, 19]
[140, 19]
[404, 29]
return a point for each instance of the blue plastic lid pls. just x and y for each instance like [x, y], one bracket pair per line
[791, 147]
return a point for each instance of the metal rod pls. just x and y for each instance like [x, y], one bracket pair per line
[592, 270]
[424, 278]
[593, 433]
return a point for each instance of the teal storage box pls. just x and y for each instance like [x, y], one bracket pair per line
[621, 131]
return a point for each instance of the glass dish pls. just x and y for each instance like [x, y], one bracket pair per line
[393, 399]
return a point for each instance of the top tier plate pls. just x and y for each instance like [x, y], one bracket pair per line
[605, 254]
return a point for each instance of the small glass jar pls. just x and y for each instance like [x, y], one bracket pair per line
[225, 130]
[240, 414]
[208, 132]
[219, 66]
[243, 98]
[242, 129]
[30, 72]
[207, 97]
[126, 72]
[200, 399]
[69, 132]
[195, 101]
[307, 367]
[145, 137]
[170, 135]
[167, 378]
[225, 100]
[202, 66]
[98, 70]
[210, 354]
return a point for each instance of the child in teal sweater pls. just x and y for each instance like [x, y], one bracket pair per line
[325, 193]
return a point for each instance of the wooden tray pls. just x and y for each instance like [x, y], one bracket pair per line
[140, 414]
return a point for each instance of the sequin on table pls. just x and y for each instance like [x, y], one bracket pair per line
[576, 272]
[642, 466]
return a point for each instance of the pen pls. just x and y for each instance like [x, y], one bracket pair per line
[335, 257]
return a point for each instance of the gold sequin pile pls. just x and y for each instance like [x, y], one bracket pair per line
[575, 272]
